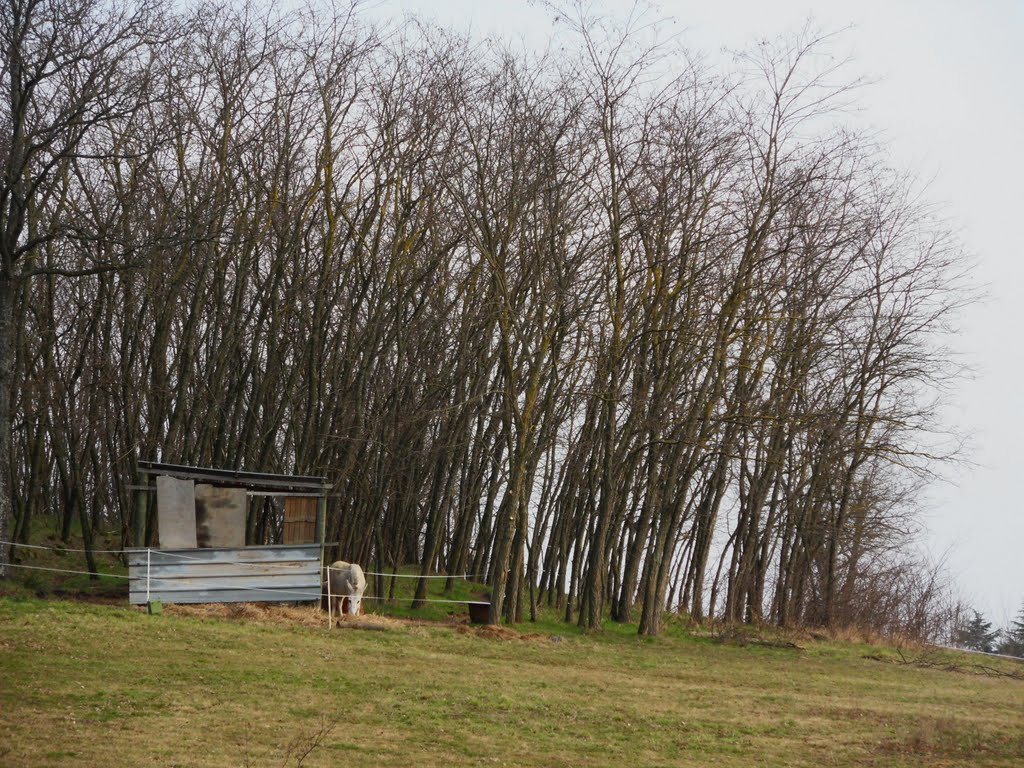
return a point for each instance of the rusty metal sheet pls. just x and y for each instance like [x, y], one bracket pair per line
[220, 516]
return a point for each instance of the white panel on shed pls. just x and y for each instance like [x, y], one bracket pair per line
[176, 512]
[220, 516]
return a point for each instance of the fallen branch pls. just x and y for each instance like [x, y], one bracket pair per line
[742, 639]
[948, 665]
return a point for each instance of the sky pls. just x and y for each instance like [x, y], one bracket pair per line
[947, 97]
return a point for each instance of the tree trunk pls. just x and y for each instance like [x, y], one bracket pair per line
[6, 396]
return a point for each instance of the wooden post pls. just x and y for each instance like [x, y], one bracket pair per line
[330, 599]
[152, 606]
[321, 523]
[141, 511]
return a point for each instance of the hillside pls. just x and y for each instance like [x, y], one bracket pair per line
[96, 685]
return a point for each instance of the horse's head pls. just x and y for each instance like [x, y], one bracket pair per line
[353, 603]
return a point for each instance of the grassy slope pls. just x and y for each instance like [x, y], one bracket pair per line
[105, 685]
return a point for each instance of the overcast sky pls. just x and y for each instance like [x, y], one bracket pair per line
[949, 100]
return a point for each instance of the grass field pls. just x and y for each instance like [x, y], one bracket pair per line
[108, 685]
[91, 682]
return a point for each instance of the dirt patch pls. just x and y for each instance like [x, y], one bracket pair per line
[949, 736]
[312, 616]
[731, 635]
[495, 632]
[306, 616]
[85, 597]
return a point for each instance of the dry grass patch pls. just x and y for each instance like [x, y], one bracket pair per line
[941, 737]
[264, 613]
[297, 616]
[315, 618]
[497, 632]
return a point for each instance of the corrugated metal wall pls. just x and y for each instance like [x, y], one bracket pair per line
[225, 575]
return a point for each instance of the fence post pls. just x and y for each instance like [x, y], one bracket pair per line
[330, 602]
[152, 606]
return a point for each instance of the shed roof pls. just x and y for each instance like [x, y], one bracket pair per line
[236, 478]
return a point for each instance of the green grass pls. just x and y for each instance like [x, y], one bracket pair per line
[97, 685]
[93, 685]
[44, 572]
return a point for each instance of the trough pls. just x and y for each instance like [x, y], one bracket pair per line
[479, 613]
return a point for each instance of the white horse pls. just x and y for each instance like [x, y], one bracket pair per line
[347, 584]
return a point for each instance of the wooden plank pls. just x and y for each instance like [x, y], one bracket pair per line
[299, 520]
[235, 477]
[297, 533]
[286, 494]
[248, 492]
[155, 467]
[142, 502]
[300, 508]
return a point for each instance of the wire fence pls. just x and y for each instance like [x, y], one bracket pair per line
[65, 570]
[283, 592]
[304, 596]
[167, 553]
[19, 545]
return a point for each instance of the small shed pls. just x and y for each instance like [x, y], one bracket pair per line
[201, 555]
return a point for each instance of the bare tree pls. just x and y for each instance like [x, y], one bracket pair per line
[67, 69]
[612, 331]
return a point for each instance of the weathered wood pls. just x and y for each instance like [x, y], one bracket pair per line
[236, 478]
[141, 511]
[300, 518]
[221, 575]
[321, 525]
[176, 512]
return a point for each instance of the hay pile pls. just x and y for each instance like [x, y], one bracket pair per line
[311, 616]
[372, 622]
[262, 613]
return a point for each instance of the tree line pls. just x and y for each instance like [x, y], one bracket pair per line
[612, 330]
[977, 634]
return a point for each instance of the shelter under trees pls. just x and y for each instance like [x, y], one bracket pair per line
[613, 331]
